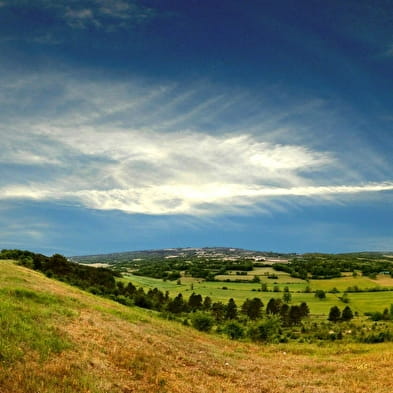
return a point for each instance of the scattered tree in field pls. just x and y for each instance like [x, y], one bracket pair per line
[231, 309]
[130, 289]
[295, 315]
[177, 305]
[344, 298]
[218, 311]
[207, 303]
[385, 314]
[304, 309]
[347, 314]
[195, 302]
[320, 294]
[287, 297]
[284, 314]
[274, 306]
[252, 308]
[334, 314]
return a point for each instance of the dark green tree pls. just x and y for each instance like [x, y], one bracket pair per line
[304, 309]
[347, 314]
[284, 314]
[231, 309]
[120, 287]
[252, 308]
[207, 303]
[218, 311]
[295, 315]
[195, 302]
[320, 294]
[264, 287]
[176, 305]
[130, 289]
[334, 314]
[286, 297]
[274, 306]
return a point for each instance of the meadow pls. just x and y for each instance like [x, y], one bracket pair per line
[59, 339]
[360, 302]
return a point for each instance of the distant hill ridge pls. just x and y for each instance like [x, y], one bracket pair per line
[205, 251]
[183, 252]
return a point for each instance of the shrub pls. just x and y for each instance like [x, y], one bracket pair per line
[320, 294]
[234, 330]
[266, 330]
[202, 321]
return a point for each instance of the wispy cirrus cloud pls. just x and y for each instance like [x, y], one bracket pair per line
[184, 199]
[143, 148]
[106, 15]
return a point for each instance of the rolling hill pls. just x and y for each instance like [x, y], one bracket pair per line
[56, 338]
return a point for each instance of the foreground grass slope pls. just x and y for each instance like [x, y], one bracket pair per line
[55, 338]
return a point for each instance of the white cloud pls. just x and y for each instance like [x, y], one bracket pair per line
[144, 149]
[183, 199]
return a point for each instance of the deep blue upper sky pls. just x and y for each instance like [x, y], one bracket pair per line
[148, 124]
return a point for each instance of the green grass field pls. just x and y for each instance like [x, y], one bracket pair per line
[360, 301]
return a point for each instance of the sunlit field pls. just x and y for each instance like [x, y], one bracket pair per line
[222, 291]
[58, 339]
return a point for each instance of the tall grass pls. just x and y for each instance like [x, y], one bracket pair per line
[27, 324]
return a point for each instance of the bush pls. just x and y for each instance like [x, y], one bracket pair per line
[234, 330]
[202, 321]
[266, 330]
[320, 294]
[377, 337]
[374, 316]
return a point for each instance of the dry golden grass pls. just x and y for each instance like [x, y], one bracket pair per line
[117, 349]
[384, 280]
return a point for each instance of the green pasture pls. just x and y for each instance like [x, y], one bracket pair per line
[222, 291]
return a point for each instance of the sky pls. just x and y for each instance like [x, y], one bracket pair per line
[146, 124]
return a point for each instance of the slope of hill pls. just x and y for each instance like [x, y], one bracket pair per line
[56, 338]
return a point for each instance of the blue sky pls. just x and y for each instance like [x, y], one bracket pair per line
[131, 125]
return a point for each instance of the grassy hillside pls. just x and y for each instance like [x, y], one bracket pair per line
[55, 338]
